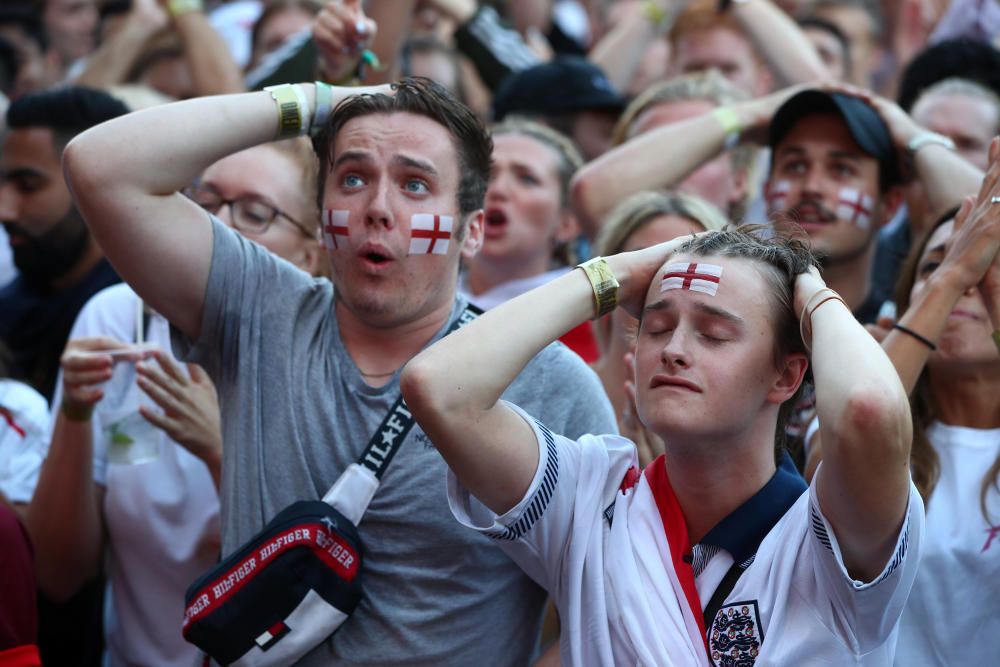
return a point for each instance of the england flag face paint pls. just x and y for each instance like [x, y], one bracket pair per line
[855, 207]
[697, 277]
[430, 234]
[776, 196]
[335, 234]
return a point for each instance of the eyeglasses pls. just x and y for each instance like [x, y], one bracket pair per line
[251, 214]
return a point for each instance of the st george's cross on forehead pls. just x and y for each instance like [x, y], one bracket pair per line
[430, 234]
[776, 196]
[694, 276]
[334, 226]
[855, 207]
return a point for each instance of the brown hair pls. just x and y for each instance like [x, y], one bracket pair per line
[925, 464]
[784, 258]
[422, 97]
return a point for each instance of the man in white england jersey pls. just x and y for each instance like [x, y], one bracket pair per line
[713, 554]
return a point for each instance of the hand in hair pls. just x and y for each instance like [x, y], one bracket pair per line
[341, 32]
[636, 270]
[755, 114]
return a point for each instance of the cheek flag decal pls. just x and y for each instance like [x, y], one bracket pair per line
[855, 207]
[335, 234]
[691, 276]
[776, 196]
[430, 234]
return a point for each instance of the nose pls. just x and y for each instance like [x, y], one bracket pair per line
[8, 203]
[498, 188]
[378, 210]
[813, 183]
[675, 351]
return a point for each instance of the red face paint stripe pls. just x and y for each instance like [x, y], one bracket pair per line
[691, 274]
[434, 235]
[675, 527]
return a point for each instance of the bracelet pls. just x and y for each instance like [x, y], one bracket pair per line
[996, 339]
[910, 332]
[324, 106]
[603, 282]
[76, 413]
[291, 110]
[807, 314]
[178, 7]
[730, 123]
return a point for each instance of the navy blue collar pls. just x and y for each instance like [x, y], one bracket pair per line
[745, 528]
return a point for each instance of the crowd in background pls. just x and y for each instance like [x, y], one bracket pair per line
[615, 124]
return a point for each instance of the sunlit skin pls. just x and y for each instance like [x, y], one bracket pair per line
[706, 379]
[965, 345]
[525, 215]
[274, 177]
[386, 168]
[818, 157]
[714, 181]
[725, 50]
[971, 122]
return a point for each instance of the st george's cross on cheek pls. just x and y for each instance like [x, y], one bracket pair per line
[430, 234]
[776, 196]
[335, 232]
[855, 207]
[694, 276]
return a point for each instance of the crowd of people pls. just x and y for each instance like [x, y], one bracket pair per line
[694, 306]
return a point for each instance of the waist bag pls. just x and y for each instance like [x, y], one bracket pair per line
[293, 584]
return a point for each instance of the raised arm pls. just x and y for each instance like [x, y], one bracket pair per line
[110, 64]
[864, 483]
[620, 51]
[125, 176]
[453, 388]
[786, 50]
[212, 66]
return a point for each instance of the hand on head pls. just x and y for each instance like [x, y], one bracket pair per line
[637, 269]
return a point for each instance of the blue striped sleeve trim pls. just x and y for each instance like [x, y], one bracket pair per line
[900, 554]
[543, 494]
[819, 529]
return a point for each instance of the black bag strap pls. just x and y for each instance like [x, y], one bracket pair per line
[722, 592]
[397, 423]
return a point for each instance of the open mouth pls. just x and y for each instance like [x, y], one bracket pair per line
[496, 221]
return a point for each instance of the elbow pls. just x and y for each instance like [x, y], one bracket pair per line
[877, 419]
[83, 172]
[418, 385]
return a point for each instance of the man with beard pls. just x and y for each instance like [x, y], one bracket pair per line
[60, 264]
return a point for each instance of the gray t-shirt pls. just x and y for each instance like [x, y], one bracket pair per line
[296, 413]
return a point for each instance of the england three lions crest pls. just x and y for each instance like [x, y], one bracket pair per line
[735, 636]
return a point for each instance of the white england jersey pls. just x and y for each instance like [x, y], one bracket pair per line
[611, 546]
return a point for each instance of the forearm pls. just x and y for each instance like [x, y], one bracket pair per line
[620, 52]
[212, 67]
[651, 161]
[64, 518]
[111, 63]
[926, 316]
[785, 49]
[946, 177]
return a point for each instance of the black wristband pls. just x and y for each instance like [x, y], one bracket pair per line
[914, 334]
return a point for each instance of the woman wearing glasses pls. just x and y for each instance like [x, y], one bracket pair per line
[155, 523]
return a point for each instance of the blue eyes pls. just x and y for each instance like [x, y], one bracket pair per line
[417, 187]
[353, 181]
[412, 186]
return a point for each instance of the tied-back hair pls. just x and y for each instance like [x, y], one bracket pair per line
[783, 258]
[925, 464]
[422, 97]
[633, 213]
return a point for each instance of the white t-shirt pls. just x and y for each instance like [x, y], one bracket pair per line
[611, 546]
[162, 517]
[24, 419]
[953, 615]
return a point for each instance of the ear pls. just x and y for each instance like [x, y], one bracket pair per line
[790, 376]
[568, 227]
[473, 240]
[891, 200]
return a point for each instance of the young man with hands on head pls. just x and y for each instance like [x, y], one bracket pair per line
[712, 554]
[306, 370]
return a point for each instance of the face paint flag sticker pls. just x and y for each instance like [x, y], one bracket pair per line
[430, 234]
[777, 196]
[691, 276]
[334, 225]
[855, 207]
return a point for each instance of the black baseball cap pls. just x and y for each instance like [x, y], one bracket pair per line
[863, 122]
[566, 84]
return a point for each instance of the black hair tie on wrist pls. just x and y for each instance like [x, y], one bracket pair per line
[914, 334]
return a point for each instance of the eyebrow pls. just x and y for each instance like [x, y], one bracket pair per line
[404, 160]
[22, 172]
[704, 308]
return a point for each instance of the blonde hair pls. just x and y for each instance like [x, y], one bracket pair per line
[300, 151]
[636, 211]
[569, 158]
